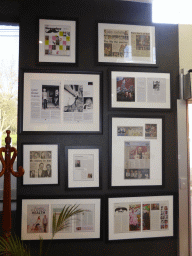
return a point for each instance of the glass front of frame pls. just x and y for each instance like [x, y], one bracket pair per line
[128, 44]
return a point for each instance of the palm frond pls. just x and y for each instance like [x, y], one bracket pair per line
[64, 218]
[13, 246]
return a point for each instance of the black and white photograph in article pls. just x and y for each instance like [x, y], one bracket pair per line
[50, 97]
[41, 164]
[78, 102]
[137, 160]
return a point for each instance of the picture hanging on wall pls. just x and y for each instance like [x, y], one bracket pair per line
[40, 163]
[140, 217]
[57, 41]
[65, 102]
[38, 216]
[127, 44]
[136, 158]
[83, 167]
[140, 90]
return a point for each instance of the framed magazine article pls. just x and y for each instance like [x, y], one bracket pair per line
[40, 163]
[57, 41]
[83, 167]
[127, 44]
[140, 217]
[37, 217]
[140, 90]
[62, 102]
[136, 158]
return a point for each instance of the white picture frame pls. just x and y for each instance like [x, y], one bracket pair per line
[140, 90]
[136, 158]
[40, 162]
[146, 217]
[63, 90]
[83, 167]
[33, 208]
[127, 44]
[57, 41]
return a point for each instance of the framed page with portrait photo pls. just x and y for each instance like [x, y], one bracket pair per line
[126, 44]
[140, 217]
[140, 90]
[83, 167]
[136, 157]
[62, 102]
[57, 41]
[40, 163]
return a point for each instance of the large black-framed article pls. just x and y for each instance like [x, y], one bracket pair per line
[140, 217]
[83, 167]
[57, 41]
[127, 44]
[40, 162]
[140, 90]
[37, 216]
[136, 152]
[65, 102]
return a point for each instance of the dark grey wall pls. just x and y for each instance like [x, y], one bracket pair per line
[88, 13]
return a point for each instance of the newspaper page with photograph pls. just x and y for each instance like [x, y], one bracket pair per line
[85, 221]
[116, 43]
[151, 89]
[37, 218]
[127, 217]
[155, 216]
[78, 102]
[130, 131]
[45, 100]
[140, 43]
[137, 159]
[83, 167]
[40, 164]
[57, 40]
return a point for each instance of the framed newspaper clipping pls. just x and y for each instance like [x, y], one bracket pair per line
[40, 162]
[140, 90]
[126, 44]
[83, 167]
[37, 218]
[62, 102]
[136, 157]
[140, 217]
[57, 41]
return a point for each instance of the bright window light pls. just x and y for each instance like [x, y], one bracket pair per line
[172, 11]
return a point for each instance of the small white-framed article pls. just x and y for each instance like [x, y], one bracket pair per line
[136, 151]
[38, 215]
[140, 217]
[40, 162]
[57, 41]
[140, 90]
[83, 167]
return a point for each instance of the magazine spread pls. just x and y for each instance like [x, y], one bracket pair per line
[141, 217]
[83, 167]
[40, 164]
[71, 103]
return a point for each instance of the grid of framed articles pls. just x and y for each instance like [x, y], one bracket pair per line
[71, 102]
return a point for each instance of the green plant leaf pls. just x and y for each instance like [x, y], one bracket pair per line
[64, 218]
